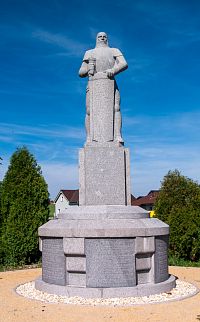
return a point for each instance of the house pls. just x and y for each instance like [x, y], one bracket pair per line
[146, 202]
[66, 198]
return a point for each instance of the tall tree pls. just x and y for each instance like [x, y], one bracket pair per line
[178, 204]
[0, 217]
[24, 207]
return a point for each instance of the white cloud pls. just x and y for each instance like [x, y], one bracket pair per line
[71, 46]
[10, 129]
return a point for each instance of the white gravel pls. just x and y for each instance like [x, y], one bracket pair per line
[182, 290]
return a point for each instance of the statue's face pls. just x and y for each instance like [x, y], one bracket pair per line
[102, 38]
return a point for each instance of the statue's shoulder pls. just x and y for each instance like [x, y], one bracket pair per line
[116, 52]
[88, 54]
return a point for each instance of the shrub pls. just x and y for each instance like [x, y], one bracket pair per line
[178, 204]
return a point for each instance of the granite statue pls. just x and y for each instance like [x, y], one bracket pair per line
[102, 63]
[105, 247]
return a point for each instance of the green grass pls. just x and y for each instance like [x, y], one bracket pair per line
[51, 210]
[174, 261]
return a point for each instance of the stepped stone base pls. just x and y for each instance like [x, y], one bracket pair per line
[104, 251]
[91, 292]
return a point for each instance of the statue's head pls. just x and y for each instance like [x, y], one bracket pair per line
[101, 39]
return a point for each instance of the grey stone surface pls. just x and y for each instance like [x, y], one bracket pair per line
[104, 179]
[145, 266]
[143, 277]
[128, 177]
[110, 262]
[161, 259]
[67, 290]
[76, 264]
[77, 279]
[73, 246]
[145, 245]
[40, 244]
[103, 212]
[101, 258]
[88, 292]
[53, 261]
[82, 187]
[104, 228]
[143, 262]
[101, 90]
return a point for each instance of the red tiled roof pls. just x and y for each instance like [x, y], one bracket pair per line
[71, 195]
[132, 199]
[75, 196]
[146, 200]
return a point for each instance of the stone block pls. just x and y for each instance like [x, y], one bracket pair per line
[161, 258]
[143, 277]
[40, 244]
[144, 245]
[76, 264]
[143, 262]
[73, 246]
[103, 176]
[103, 212]
[76, 279]
[53, 261]
[110, 262]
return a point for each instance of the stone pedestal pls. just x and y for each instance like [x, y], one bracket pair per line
[104, 175]
[104, 251]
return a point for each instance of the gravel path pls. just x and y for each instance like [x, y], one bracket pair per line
[15, 308]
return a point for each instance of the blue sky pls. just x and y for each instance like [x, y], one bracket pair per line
[42, 99]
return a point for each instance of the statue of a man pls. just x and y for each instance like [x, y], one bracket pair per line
[111, 62]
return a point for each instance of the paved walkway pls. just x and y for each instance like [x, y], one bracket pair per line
[16, 308]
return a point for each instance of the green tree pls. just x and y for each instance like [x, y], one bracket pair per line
[0, 218]
[178, 204]
[24, 207]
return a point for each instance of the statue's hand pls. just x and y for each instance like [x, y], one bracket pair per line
[110, 73]
[90, 72]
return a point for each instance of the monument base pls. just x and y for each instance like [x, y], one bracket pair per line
[91, 292]
[104, 251]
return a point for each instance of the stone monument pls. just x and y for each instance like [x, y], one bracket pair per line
[104, 247]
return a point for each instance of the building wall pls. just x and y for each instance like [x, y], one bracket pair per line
[61, 204]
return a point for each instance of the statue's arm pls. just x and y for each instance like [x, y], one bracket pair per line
[83, 71]
[120, 65]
